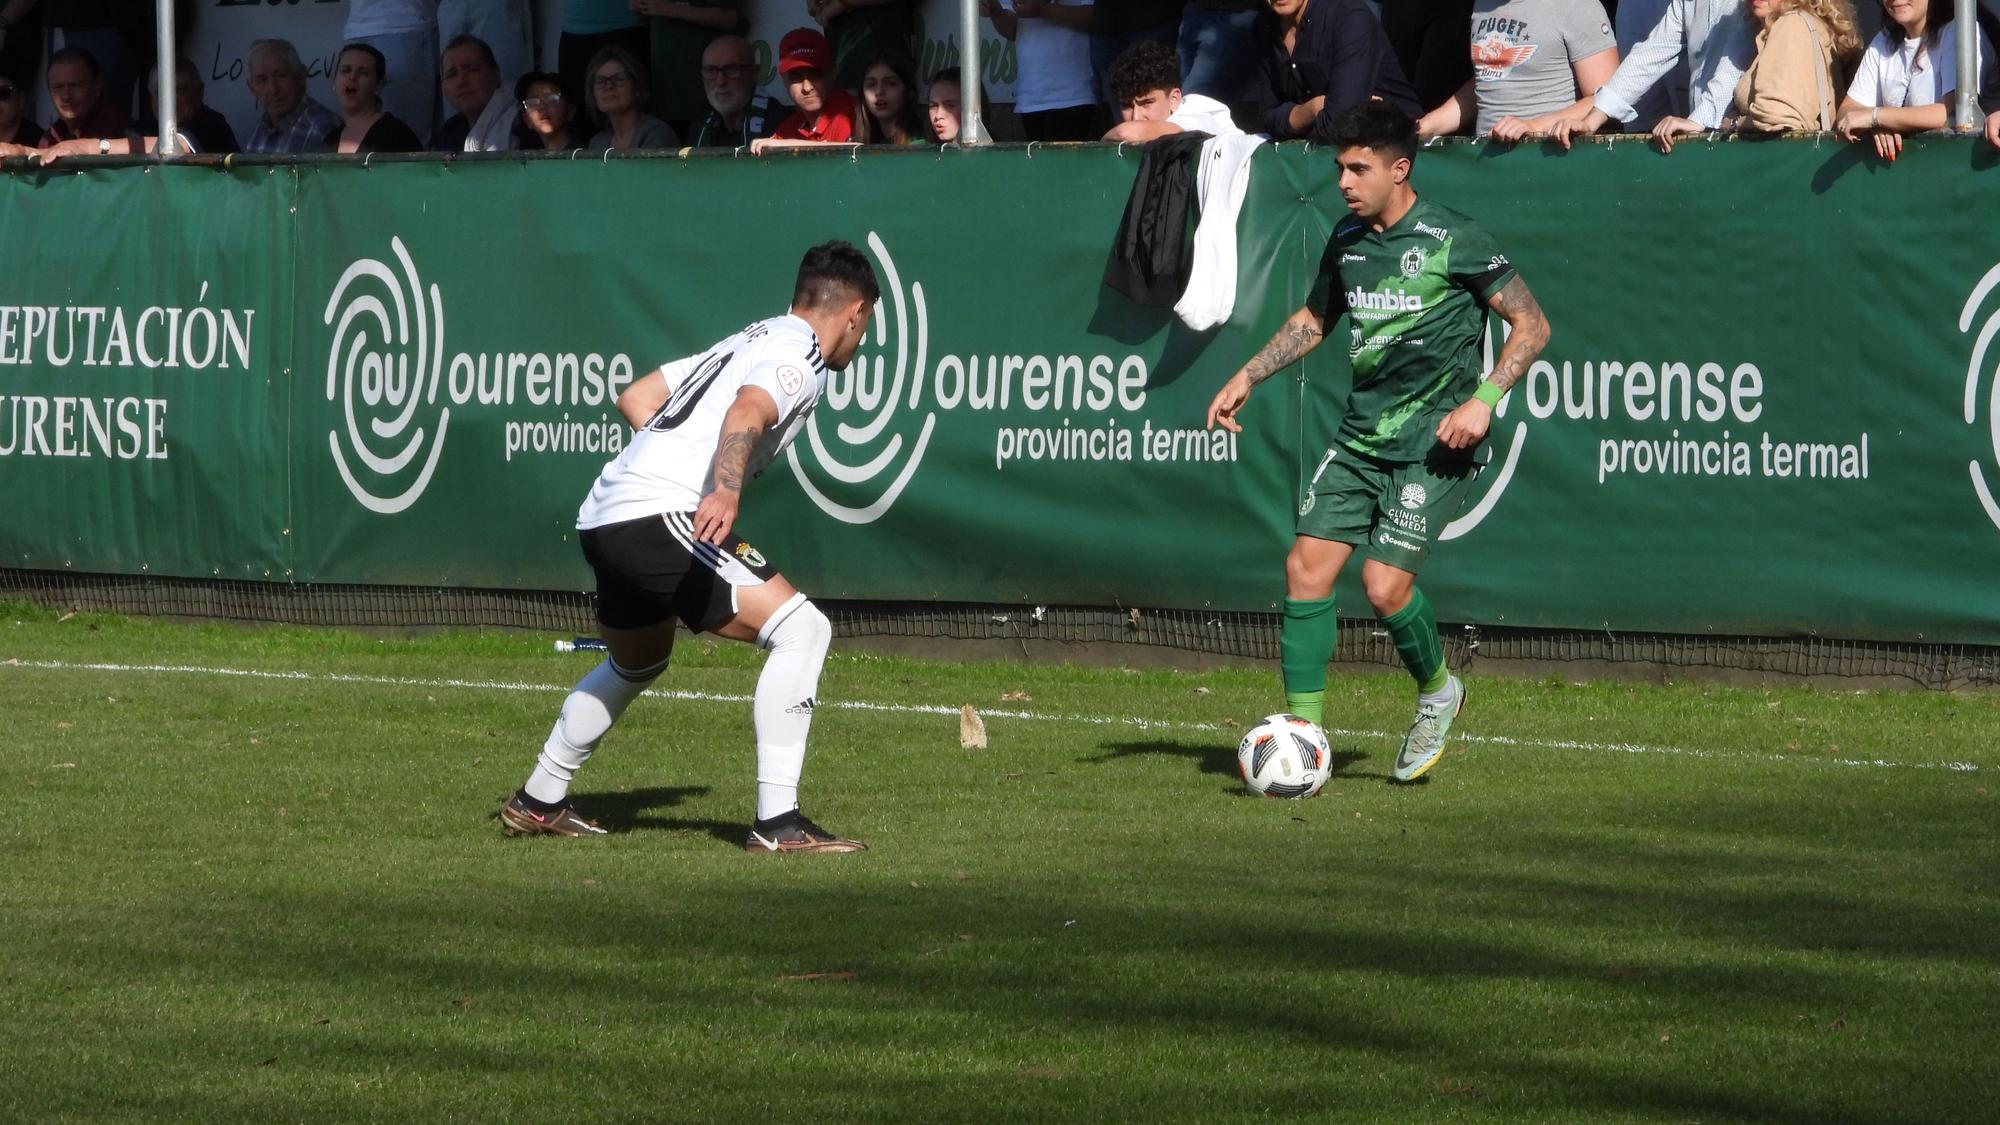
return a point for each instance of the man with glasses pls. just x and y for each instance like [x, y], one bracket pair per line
[486, 112]
[737, 113]
[682, 31]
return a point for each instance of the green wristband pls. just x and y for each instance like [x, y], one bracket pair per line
[1489, 394]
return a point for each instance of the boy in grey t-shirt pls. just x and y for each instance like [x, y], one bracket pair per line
[1532, 61]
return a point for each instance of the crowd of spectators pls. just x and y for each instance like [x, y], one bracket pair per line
[660, 74]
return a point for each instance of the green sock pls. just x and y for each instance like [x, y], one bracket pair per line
[1415, 630]
[1305, 644]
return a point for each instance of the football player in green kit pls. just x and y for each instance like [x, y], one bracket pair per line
[1415, 280]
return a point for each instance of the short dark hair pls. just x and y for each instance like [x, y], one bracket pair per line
[1377, 125]
[467, 39]
[77, 55]
[535, 78]
[1142, 68]
[832, 273]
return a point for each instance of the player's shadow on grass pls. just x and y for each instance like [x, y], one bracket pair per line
[634, 809]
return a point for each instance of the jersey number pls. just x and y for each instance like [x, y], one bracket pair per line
[682, 402]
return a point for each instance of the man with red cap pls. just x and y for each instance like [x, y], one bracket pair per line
[825, 112]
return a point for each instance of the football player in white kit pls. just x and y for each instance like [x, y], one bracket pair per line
[659, 529]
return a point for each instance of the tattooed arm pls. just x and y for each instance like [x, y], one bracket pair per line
[1299, 335]
[753, 412]
[1527, 335]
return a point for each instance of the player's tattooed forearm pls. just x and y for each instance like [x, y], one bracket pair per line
[1528, 332]
[1295, 339]
[732, 458]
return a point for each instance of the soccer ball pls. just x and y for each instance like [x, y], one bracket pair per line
[1285, 756]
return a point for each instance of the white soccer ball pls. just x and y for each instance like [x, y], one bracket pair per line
[1285, 756]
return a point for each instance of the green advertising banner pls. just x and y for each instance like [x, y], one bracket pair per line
[145, 336]
[1769, 405]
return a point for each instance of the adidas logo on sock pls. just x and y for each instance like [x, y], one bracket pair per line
[803, 707]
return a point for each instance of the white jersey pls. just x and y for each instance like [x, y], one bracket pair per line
[667, 466]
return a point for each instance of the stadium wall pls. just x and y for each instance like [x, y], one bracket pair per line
[1771, 406]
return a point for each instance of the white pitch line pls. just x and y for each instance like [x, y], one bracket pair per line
[921, 709]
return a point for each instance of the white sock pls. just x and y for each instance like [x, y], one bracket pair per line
[1440, 695]
[797, 636]
[596, 702]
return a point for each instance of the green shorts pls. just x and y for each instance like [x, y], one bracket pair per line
[1392, 511]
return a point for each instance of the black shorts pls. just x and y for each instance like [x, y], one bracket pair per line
[650, 569]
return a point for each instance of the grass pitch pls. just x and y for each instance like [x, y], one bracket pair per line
[233, 897]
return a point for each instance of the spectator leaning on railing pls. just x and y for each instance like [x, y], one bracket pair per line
[486, 113]
[1716, 39]
[616, 92]
[288, 122]
[1145, 85]
[76, 89]
[737, 113]
[548, 113]
[826, 113]
[1908, 76]
[1802, 47]
[1314, 59]
[359, 74]
[1534, 62]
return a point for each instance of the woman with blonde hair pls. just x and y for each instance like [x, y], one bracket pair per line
[1804, 47]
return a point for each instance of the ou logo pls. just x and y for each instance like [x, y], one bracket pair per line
[383, 368]
[1502, 447]
[865, 399]
[1987, 332]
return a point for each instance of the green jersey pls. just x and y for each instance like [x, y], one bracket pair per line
[1415, 295]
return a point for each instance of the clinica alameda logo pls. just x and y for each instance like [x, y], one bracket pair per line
[1990, 401]
[396, 388]
[878, 418]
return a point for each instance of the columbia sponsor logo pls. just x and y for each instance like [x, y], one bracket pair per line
[1399, 301]
[803, 707]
